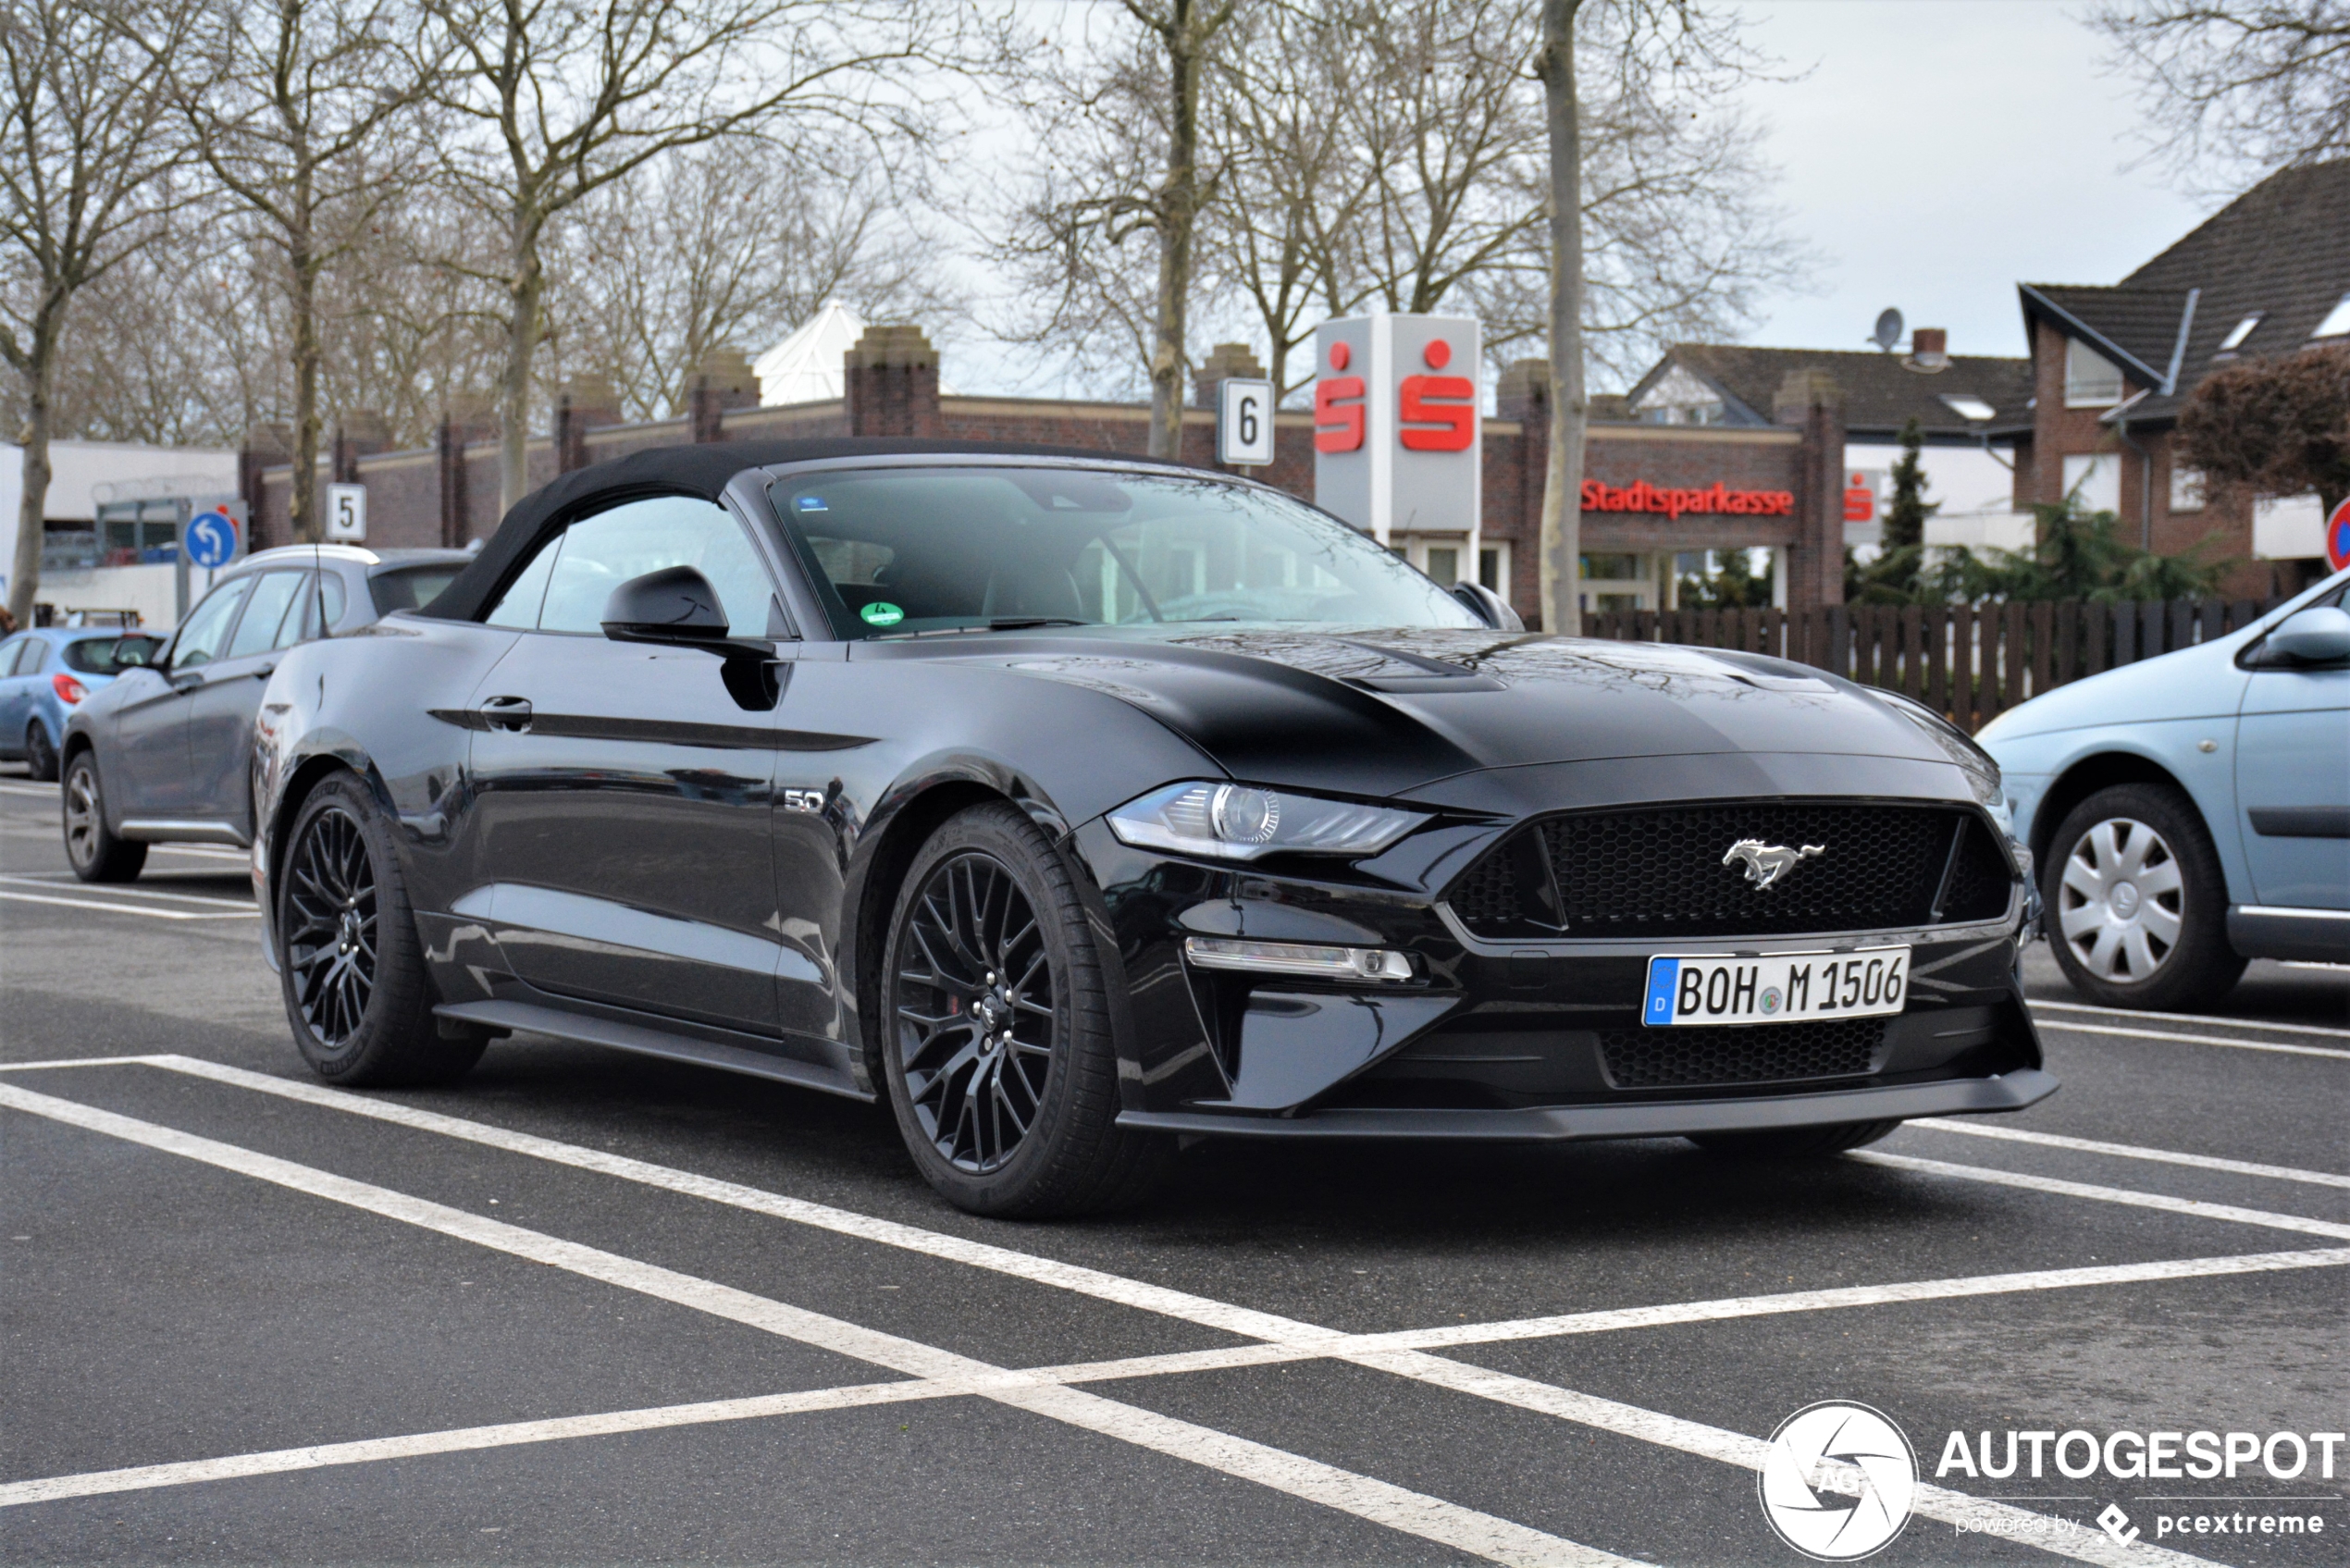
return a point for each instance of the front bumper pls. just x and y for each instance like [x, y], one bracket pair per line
[1506, 1041]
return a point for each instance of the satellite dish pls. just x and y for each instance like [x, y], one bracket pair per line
[1888, 330]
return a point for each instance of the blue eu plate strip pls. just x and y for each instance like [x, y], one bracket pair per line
[1664, 974]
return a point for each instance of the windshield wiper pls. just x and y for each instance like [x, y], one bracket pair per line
[1023, 623]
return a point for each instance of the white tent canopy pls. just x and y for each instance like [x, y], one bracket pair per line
[806, 367]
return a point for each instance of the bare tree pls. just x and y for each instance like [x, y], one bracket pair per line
[1560, 543]
[85, 173]
[2236, 88]
[1121, 134]
[296, 107]
[568, 95]
[731, 243]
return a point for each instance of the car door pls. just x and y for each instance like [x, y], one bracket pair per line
[2293, 783]
[21, 660]
[147, 774]
[227, 696]
[620, 844]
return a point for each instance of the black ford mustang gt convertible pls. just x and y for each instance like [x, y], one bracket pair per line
[1075, 805]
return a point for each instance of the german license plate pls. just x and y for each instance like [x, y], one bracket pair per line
[1785, 988]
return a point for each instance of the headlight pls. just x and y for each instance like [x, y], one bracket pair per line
[1960, 746]
[1234, 822]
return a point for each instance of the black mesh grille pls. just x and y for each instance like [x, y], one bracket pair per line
[1769, 1053]
[1660, 872]
[1980, 880]
[1487, 897]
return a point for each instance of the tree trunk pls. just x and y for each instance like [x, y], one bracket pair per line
[24, 577]
[1561, 540]
[526, 292]
[1179, 211]
[302, 504]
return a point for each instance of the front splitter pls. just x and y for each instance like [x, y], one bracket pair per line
[1561, 1124]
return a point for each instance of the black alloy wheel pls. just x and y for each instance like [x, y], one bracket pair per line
[94, 852]
[993, 1028]
[330, 926]
[350, 965]
[975, 1013]
[40, 756]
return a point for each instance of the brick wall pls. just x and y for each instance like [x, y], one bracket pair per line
[449, 494]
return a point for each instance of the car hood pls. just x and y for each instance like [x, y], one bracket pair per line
[2191, 683]
[1379, 711]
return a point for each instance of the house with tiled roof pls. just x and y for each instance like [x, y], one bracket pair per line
[2111, 366]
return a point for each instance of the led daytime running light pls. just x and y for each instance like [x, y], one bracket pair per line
[1297, 958]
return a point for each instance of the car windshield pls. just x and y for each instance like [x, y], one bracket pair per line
[110, 655]
[901, 550]
[410, 587]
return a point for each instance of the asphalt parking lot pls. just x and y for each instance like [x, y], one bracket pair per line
[592, 1308]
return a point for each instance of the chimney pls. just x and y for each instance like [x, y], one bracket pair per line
[890, 377]
[1523, 391]
[1929, 349]
[1224, 360]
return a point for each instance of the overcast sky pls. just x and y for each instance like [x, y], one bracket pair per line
[1938, 153]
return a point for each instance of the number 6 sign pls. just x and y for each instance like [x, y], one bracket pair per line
[1243, 421]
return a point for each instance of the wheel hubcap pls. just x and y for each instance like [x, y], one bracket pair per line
[2121, 901]
[81, 816]
[974, 1008]
[330, 926]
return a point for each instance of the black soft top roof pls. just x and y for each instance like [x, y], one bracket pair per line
[701, 470]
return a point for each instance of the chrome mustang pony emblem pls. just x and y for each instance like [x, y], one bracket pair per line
[1766, 863]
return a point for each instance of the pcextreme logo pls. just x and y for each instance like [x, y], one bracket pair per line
[1838, 1480]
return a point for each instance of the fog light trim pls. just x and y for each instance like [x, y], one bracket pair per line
[1382, 964]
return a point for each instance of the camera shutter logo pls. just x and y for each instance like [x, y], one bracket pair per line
[1838, 1480]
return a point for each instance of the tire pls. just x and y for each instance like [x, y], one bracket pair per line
[39, 755]
[95, 854]
[2137, 906]
[997, 1046]
[1794, 1143]
[350, 965]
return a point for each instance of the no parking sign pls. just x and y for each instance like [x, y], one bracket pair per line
[2338, 538]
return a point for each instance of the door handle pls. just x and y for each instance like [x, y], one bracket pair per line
[265, 671]
[511, 713]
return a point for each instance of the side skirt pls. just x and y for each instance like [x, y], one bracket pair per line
[648, 1042]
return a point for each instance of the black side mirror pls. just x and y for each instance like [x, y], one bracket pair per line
[676, 607]
[1488, 607]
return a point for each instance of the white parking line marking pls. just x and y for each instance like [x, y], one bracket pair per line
[78, 1061]
[1397, 1508]
[242, 856]
[2135, 1199]
[2199, 1017]
[2194, 1038]
[278, 1461]
[34, 792]
[133, 908]
[1291, 1340]
[53, 878]
[2132, 1152]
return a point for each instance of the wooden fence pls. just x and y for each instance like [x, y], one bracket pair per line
[1970, 662]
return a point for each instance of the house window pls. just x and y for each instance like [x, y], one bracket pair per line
[2091, 380]
[1967, 407]
[2238, 333]
[2095, 479]
[2337, 321]
[1494, 568]
[2187, 487]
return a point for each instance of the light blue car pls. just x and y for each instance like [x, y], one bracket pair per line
[44, 673]
[2191, 812]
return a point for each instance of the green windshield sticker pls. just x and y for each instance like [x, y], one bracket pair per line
[882, 614]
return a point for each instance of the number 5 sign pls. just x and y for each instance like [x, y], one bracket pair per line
[1243, 422]
[347, 514]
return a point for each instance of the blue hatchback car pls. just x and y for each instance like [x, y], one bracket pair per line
[2191, 812]
[46, 673]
